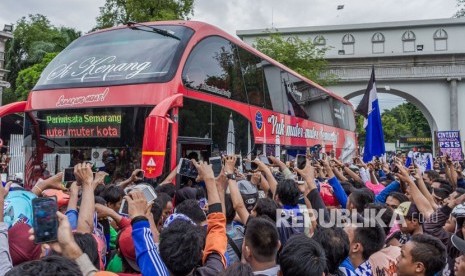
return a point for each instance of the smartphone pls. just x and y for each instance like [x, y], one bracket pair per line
[238, 161]
[202, 203]
[264, 159]
[315, 151]
[301, 161]
[148, 191]
[250, 166]
[394, 168]
[187, 168]
[216, 165]
[149, 194]
[45, 220]
[68, 175]
[140, 174]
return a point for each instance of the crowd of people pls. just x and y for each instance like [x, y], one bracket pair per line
[325, 218]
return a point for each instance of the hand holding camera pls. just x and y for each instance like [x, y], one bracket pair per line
[230, 164]
[204, 170]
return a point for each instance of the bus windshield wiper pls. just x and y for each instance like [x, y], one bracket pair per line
[133, 25]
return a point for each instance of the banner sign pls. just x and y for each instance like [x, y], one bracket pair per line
[449, 143]
[107, 125]
[415, 139]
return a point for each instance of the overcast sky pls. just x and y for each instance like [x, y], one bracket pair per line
[235, 15]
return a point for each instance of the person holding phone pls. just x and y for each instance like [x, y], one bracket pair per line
[136, 176]
[66, 244]
[172, 237]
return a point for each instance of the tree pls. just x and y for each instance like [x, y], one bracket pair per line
[116, 12]
[28, 77]
[302, 56]
[460, 8]
[34, 36]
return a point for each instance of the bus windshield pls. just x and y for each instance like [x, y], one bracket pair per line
[77, 135]
[115, 57]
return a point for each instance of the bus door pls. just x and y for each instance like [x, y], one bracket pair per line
[193, 148]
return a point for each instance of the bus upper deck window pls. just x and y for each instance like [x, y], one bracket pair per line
[195, 77]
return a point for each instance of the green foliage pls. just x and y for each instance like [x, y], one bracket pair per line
[460, 8]
[28, 77]
[34, 37]
[302, 56]
[403, 120]
[116, 12]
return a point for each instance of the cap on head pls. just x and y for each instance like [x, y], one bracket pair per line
[21, 248]
[127, 249]
[408, 210]
[249, 193]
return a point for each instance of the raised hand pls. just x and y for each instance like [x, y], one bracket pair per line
[53, 182]
[229, 164]
[261, 166]
[84, 174]
[134, 176]
[338, 162]
[66, 245]
[99, 178]
[205, 171]
[137, 204]
[276, 161]
[307, 171]
[103, 211]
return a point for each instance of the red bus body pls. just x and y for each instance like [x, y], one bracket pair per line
[167, 99]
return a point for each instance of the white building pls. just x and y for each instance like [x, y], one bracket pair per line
[422, 61]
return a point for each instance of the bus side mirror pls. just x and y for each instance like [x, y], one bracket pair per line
[154, 145]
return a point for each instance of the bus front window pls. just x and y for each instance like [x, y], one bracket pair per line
[116, 57]
[111, 138]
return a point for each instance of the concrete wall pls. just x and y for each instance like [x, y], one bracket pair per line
[363, 34]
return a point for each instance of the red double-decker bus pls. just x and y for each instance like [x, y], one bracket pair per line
[144, 95]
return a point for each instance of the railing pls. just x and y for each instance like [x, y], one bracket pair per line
[388, 72]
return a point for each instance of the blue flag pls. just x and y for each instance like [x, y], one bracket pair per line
[369, 108]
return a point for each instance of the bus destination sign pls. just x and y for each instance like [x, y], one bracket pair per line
[83, 125]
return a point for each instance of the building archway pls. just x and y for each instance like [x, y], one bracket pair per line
[410, 98]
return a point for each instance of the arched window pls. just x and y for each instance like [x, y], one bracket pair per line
[348, 43]
[319, 40]
[440, 40]
[408, 41]
[377, 42]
